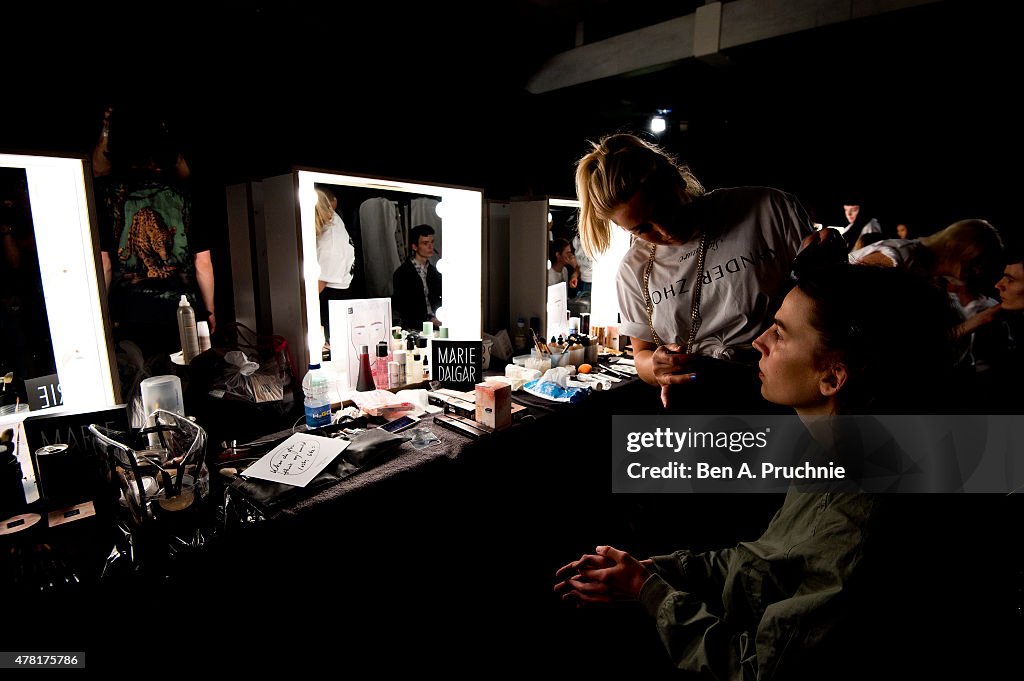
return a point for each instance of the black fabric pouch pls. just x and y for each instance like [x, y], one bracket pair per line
[367, 449]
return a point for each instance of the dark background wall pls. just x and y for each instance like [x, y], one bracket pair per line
[912, 109]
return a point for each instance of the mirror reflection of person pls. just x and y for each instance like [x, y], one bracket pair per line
[153, 249]
[417, 283]
[781, 606]
[335, 254]
[563, 264]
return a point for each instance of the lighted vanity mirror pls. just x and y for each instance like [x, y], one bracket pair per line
[598, 296]
[50, 295]
[378, 215]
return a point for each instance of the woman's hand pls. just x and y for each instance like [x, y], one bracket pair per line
[672, 366]
[986, 316]
[607, 576]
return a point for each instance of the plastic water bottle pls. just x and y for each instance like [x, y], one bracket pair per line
[318, 406]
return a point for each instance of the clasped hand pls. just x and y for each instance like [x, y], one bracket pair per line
[607, 576]
[672, 366]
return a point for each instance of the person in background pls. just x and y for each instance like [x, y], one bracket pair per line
[703, 275]
[859, 222]
[903, 232]
[968, 252]
[786, 605]
[417, 283]
[154, 249]
[585, 266]
[563, 264]
[335, 254]
[998, 343]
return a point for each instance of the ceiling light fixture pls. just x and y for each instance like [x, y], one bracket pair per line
[659, 121]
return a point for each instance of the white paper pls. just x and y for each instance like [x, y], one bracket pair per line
[297, 460]
[354, 323]
[558, 310]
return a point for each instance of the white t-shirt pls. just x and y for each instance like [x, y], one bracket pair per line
[554, 276]
[583, 260]
[754, 233]
[335, 254]
[905, 253]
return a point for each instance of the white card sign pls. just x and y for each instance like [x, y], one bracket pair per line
[297, 460]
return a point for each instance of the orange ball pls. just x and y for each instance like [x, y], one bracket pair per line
[585, 369]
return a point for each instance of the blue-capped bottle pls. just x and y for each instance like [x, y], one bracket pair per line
[317, 403]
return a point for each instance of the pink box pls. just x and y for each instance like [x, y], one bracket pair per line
[494, 404]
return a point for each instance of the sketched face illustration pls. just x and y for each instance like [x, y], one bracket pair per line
[296, 459]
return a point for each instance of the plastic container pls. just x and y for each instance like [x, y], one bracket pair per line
[589, 350]
[317, 405]
[203, 331]
[160, 392]
[539, 363]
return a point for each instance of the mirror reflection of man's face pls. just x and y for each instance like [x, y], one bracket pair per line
[424, 247]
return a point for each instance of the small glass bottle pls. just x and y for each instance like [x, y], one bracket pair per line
[403, 367]
[410, 357]
[365, 380]
[380, 365]
[424, 348]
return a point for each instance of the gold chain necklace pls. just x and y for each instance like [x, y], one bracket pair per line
[695, 318]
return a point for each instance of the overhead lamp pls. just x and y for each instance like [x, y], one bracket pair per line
[659, 121]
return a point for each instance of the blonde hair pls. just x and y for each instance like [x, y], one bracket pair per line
[974, 245]
[612, 172]
[323, 212]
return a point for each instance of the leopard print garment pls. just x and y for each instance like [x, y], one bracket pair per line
[150, 241]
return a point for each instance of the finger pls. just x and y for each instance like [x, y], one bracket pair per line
[569, 567]
[664, 396]
[675, 379]
[586, 560]
[590, 560]
[562, 586]
[612, 553]
[589, 588]
[591, 598]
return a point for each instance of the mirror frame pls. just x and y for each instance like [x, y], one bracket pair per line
[73, 291]
[460, 264]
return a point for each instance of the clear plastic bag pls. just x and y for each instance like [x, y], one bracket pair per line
[163, 489]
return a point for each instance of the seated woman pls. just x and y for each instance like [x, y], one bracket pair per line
[781, 606]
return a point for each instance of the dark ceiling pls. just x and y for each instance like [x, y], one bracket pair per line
[913, 107]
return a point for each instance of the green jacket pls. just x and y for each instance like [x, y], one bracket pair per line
[768, 608]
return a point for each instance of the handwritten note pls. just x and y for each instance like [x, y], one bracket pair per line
[297, 460]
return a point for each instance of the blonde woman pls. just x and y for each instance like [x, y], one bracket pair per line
[335, 253]
[705, 270]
